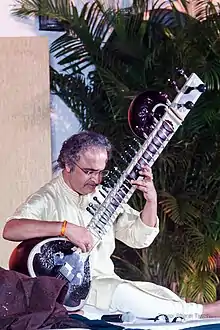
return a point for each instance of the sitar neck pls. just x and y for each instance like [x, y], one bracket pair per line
[105, 213]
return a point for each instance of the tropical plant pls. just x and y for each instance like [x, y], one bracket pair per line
[108, 57]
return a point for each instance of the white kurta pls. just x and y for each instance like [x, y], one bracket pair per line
[57, 202]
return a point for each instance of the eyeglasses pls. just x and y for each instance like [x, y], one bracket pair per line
[103, 173]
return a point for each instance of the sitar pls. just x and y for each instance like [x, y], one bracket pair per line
[154, 118]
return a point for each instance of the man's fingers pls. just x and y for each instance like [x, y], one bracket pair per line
[85, 246]
[88, 246]
[146, 168]
[82, 246]
[147, 176]
[90, 239]
[142, 188]
[142, 183]
[146, 173]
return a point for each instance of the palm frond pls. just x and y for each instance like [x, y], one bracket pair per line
[62, 10]
[179, 209]
[200, 287]
[75, 94]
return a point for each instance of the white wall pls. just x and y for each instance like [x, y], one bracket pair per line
[63, 121]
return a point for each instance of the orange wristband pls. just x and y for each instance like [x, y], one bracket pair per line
[63, 228]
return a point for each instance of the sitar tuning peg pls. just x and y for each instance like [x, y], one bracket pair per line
[116, 170]
[96, 200]
[201, 88]
[136, 142]
[92, 206]
[123, 159]
[113, 174]
[105, 188]
[108, 182]
[132, 149]
[189, 105]
[103, 193]
[181, 72]
[90, 210]
[173, 84]
[128, 155]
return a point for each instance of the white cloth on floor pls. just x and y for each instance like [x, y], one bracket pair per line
[128, 298]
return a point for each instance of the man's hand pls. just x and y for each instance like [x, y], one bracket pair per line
[146, 184]
[79, 236]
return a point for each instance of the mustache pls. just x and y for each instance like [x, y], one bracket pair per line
[91, 183]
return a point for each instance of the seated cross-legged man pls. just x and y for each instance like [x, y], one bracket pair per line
[82, 160]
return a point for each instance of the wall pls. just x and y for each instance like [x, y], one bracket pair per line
[25, 148]
[63, 121]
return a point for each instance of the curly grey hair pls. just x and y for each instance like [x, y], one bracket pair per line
[77, 143]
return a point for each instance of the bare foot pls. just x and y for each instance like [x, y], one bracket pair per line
[212, 309]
